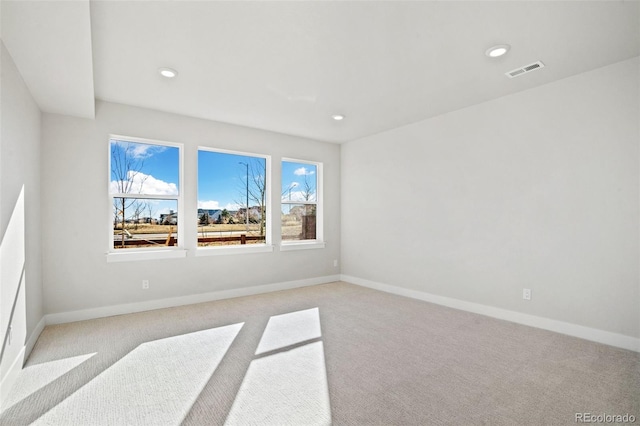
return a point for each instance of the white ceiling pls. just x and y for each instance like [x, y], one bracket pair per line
[50, 42]
[288, 66]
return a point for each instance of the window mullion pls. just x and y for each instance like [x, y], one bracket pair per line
[146, 196]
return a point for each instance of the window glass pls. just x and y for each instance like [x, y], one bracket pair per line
[232, 199]
[299, 201]
[144, 192]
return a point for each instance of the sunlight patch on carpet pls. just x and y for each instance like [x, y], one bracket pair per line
[289, 329]
[288, 386]
[35, 377]
[156, 383]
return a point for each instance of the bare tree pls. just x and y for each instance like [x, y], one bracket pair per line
[308, 192]
[258, 189]
[150, 211]
[138, 208]
[125, 167]
[116, 213]
[308, 189]
[255, 187]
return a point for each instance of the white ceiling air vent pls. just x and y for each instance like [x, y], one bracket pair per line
[523, 70]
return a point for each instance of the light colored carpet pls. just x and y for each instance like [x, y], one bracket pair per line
[156, 383]
[335, 353]
[286, 383]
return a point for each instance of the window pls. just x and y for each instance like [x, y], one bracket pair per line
[145, 195]
[233, 199]
[301, 201]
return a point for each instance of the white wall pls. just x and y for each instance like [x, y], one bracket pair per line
[538, 190]
[20, 261]
[20, 167]
[75, 226]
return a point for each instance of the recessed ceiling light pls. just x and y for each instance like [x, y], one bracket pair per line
[167, 72]
[337, 117]
[499, 50]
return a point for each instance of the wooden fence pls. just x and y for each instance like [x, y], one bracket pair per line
[172, 241]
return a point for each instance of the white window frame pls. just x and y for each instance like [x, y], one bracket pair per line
[147, 253]
[319, 242]
[267, 246]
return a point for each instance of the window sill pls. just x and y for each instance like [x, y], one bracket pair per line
[302, 245]
[218, 251]
[131, 256]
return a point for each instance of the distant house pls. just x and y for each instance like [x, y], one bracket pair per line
[143, 220]
[298, 212]
[170, 218]
[214, 214]
[254, 214]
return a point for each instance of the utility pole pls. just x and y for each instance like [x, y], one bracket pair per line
[247, 205]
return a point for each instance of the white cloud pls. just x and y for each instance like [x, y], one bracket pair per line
[298, 196]
[208, 205]
[144, 184]
[290, 187]
[164, 210]
[140, 151]
[215, 205]
[302, 171]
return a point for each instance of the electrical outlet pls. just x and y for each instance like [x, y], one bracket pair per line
[526, 293]
[145, 284]
[335, 262]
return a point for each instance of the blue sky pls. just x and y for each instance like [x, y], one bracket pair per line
[161, 162]
[221, 176]
[157, 168]
[294, 176]
[222, 179]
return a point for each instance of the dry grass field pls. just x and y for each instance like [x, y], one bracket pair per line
[291, 230]
[145, 228]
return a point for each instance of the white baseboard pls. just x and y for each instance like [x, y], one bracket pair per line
[107, 311]
[587, 333]
[31, 342]
[10, 377]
